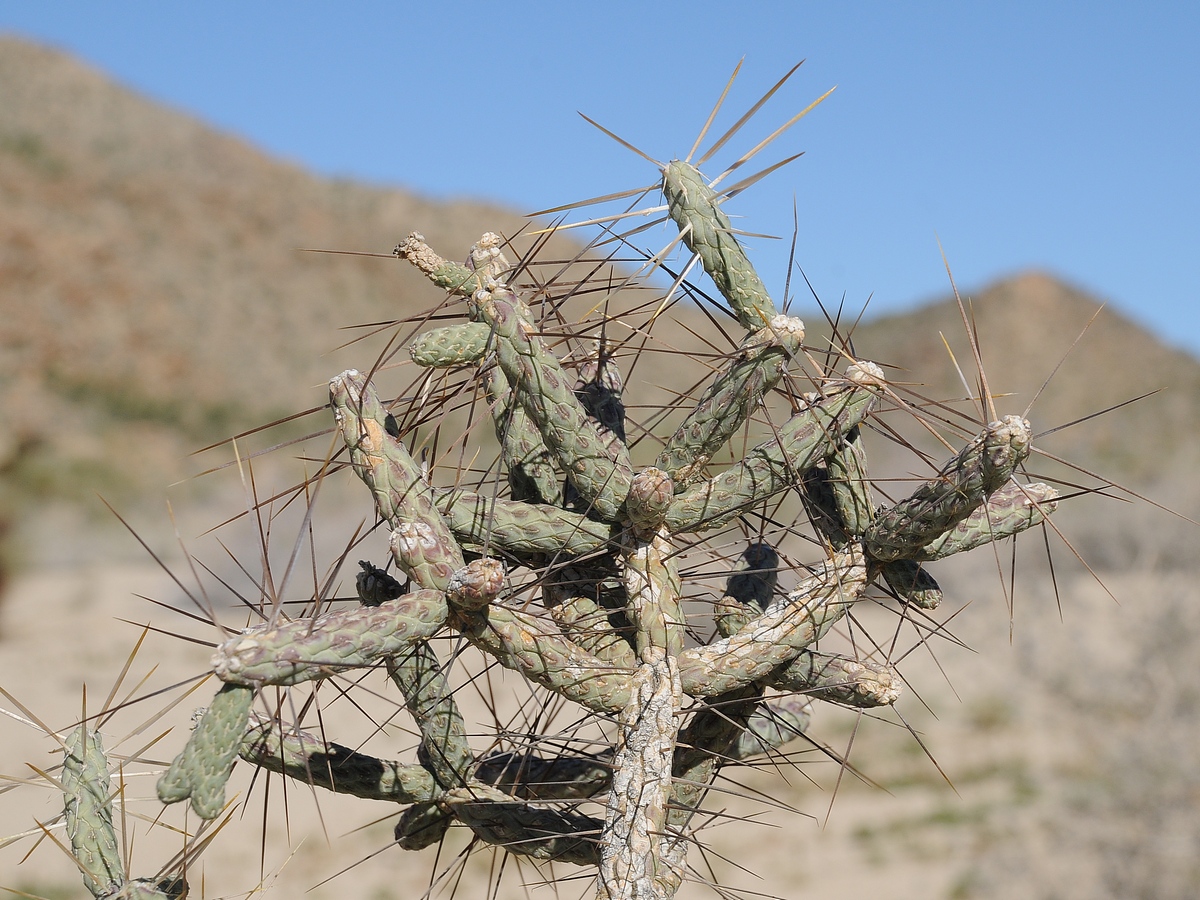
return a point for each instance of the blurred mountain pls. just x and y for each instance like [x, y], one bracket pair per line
[154, 298]
[1056, 354]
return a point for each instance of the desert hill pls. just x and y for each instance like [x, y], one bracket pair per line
[1027, 325]
[152, 294]
[153, 299]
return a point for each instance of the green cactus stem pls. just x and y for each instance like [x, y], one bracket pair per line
[201, 771]
[521, 529]
[961, 487]
[530, 471]
[846, 469]
[308, 649]
[778, 722]
[708, 233]
[534, 831]
[422, 825]
[752, 372]
[532, 476]
[464, 344]
[705, 745]
[87, 792]
[525, 643]
[912, 583]
[839, 679]
[597, 630]
[1010, 510]
[529, 777]
[443, 750]
[422, 543]
[311, 760]
[777, 635]
[805, 440]
[542, 386]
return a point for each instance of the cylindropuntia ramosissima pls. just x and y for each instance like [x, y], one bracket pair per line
[581, 559]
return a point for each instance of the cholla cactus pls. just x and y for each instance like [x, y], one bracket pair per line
[569, 573]
[87, 796]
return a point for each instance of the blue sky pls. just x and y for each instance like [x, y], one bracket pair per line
[1059, 136]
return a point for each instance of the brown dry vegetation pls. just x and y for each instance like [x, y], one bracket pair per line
[152, 300]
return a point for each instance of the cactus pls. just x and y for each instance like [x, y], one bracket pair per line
[567, 564]
[89, 818]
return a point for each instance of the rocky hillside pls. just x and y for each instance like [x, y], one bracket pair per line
[153, 294]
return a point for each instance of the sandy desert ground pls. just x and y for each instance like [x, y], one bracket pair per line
[992, 716]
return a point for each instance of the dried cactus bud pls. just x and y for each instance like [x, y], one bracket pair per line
[375, 586]
[476, 585]
[650, 496]
[449, 276]
[487, 258]
[866, 374]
